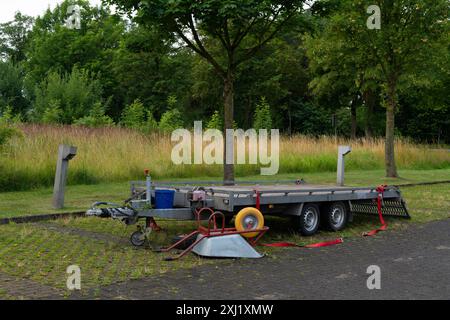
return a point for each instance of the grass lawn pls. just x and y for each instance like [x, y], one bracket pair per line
[42, 251]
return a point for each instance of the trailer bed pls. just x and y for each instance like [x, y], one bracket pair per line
[284, 198]
[307, 203]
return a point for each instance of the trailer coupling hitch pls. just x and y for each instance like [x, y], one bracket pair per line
[125, 214]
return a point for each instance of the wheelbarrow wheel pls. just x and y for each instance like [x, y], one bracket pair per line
[249, 219]
[137, 239]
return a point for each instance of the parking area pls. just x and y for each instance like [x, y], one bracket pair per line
[413, 259]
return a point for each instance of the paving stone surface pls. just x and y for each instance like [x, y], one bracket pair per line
[16, 288]
[414, 264]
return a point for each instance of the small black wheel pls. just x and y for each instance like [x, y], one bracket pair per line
[309, 219]
[336, 216]
[137, 238]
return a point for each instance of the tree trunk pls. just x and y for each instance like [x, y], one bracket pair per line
[353, 118]
[391, 169]
[369, 101]
[228, 96]
[290, 121]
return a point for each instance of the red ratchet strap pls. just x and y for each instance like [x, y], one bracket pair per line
[258, 200]
[290, 244]
[313, 245]
[380, 190]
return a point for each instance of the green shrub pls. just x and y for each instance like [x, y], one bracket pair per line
[151, 124]
[76, 93]
[215, 122]
[133, 116]
[6, 133]
[171, 119]
[53, 113]
[262, 117]
[7, 116]
[8, 127]
[96, 118]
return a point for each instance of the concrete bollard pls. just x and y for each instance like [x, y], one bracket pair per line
[342, 152]
[65, 153]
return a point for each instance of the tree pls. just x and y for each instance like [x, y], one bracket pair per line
[73, 94]
[409, 30]
[343, 74]
[14, 37]
[148, 67]
[426, 95]
[53, 47]
[241, 27]
[11, 85]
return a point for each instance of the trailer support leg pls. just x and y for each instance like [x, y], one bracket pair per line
[151, 223]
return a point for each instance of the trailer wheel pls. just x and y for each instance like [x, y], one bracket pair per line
[137, 239]
[336, 216]
[249, 219]
[309, 219]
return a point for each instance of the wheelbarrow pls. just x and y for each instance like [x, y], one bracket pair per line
[218, 242]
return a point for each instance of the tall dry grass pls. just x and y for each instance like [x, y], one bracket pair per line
[115, 154]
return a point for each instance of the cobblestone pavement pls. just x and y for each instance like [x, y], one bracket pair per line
[415, 264]
[16, 288]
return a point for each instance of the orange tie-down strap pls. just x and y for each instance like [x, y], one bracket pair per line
[380, 190]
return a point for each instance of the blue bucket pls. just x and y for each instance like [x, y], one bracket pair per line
[164, 199]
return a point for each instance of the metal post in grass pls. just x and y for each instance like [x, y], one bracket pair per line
[342, 152]
[65, 154]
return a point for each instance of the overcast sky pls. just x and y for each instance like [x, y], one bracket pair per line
[29, 7]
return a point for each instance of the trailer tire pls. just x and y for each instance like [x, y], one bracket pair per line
[249, 219]
[337, 216]
[309, 219]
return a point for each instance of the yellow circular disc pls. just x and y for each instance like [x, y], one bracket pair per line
[248, 219]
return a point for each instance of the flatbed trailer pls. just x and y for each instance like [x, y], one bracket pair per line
[310, 205]
[277, 199]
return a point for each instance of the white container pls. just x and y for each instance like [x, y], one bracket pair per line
[198, 195]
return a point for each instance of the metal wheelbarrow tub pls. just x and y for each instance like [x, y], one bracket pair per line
[225, 246]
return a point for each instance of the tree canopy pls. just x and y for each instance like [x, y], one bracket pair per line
[305, 67]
